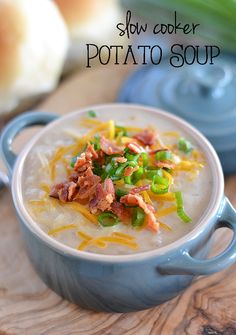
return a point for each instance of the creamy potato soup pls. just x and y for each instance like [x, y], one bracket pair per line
[116, 182]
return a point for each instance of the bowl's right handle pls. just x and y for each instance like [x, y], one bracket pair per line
[184, 263]
[16, 126]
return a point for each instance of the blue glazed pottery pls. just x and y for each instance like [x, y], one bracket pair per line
[203, 95]
[121, 283]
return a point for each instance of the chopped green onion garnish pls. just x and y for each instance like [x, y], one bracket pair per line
[121, 131]
[131, 157]
[137, 175]
[159, 185]
[121, 192]
[138, 217]
[110, 170]
[128, 180]
[73, 161]
[96, 142]
[97, 169]
[108, 219]
[144, 156]
[120, 170]
[150, 173]
[92, 114]
[185, 145]
[180, 207]
[163, 155]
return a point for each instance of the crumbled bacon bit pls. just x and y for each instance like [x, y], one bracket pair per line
[140, 189]
[55, 189]
[90, 152]
[109, 147]
[72, 190]
[129, 170]
[147, 136]
[74, 177]
[137, 200]
[120, 159]
[101, 157]
[64, 191]
[87, 185]
[165, 164]
[134, 147]
[121, 211]
[84, 161]
[104, 197]
[80, 161]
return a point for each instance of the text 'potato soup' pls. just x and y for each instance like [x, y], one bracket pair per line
[116, 184]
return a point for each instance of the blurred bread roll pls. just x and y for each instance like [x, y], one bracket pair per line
[33, 48]
[88, 21]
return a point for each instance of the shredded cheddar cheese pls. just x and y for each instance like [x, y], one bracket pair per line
[110, 239]
[134, 129]
[165, 226]
[62, 228]
[168, 176]
[45, 187]
[165, 211]
[146, 197]
[90, 122]
[171, 133]
[111, 126]
[163, 197]
[122, 235]
[59, 155]
[94, 131]
[84, 235]
[83, 210]
[125, 139]
[101, 242]
[188, 165]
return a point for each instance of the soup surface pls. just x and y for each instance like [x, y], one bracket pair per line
[116, 182]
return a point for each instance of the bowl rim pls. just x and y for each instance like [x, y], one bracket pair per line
[210, 212]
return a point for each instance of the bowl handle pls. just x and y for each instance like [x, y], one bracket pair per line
[14, 127]
[184, 263]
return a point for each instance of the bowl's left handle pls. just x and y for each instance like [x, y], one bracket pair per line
[14, 127]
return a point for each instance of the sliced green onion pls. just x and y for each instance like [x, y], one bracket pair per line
[150, 173]
[97, 169]
[131, 157]
[159, 185]
[108, 219]
[128, 180]
[144, 156]
[92, 114]
[123, 166]
[73, 161]
[96, 142]
[185, 145]
[120, 192]
[110, 169]
[121, 131]
[137, 175]
[138, 217]
[163, 155]
[180, 207]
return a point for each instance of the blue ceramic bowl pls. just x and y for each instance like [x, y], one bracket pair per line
[122, 283]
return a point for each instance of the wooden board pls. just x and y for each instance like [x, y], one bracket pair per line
[28, 307]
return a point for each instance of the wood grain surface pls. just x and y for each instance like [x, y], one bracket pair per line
[28, 307]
